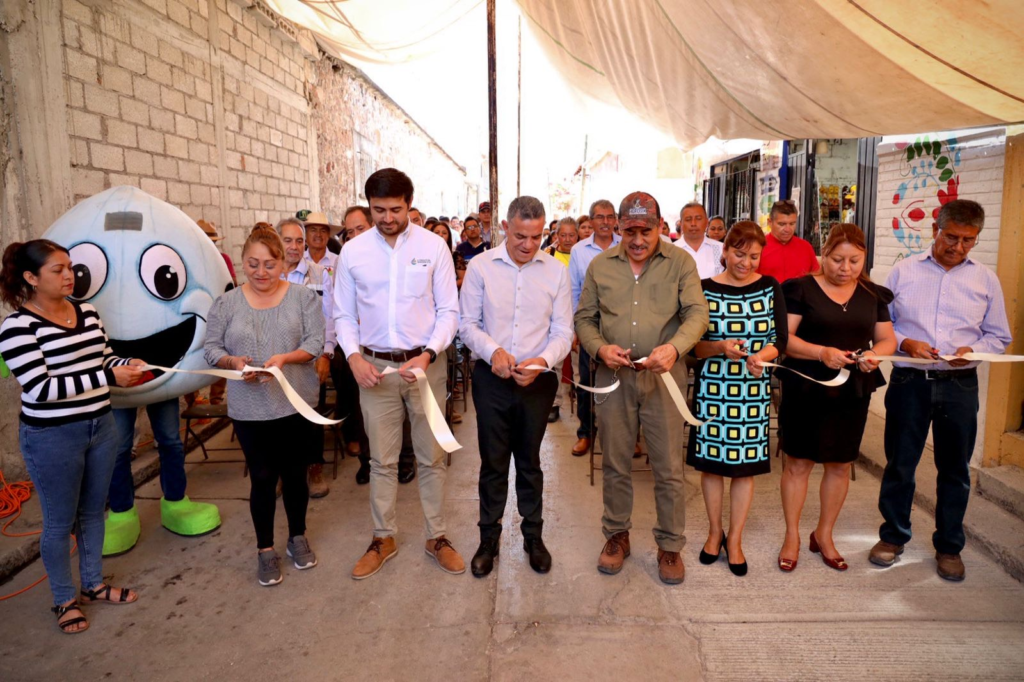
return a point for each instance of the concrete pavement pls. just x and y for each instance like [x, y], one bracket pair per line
[202, 615]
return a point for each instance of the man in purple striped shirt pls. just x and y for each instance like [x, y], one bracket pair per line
[945, 304]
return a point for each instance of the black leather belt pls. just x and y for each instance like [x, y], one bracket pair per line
[940, 374]
[393, 356]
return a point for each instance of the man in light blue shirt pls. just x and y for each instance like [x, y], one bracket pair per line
[603, 219]
[945, 304]
[515, 313]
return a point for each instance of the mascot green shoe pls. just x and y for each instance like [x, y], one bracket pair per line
[186, 517]
[121, 532]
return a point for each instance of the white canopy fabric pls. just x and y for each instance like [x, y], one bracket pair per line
[761, 69]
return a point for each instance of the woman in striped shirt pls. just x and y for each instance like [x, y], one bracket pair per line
[58, 351]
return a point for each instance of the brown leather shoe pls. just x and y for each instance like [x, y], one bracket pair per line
[670, 567]
[614, 553]
[317, 484]
[950, 566]
[445, 555]
[581, 448]
[379, 551]
[884, 553]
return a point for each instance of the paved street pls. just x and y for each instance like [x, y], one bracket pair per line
[202, 616]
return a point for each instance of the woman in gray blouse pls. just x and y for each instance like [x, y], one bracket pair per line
[267, 322]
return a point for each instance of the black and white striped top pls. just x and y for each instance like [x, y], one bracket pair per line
[64, 373]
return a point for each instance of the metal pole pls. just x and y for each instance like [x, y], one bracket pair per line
[519, 111]
[492, 106]
[583, 173]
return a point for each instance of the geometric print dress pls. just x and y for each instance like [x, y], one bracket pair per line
[736, 443]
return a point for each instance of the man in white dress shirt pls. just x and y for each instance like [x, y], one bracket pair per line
[396, 306]
[516, 312]
[318, 233]
[706, 252]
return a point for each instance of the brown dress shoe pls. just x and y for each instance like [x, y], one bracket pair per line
[581, 448]
[884, 553]
[614, 553]
[445, 555]
[379, 551]
[317, 484]
[950, 566]
[670, 567]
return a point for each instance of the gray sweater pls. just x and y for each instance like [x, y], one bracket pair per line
[236, 328]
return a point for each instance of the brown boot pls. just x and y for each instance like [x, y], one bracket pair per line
[317, 483]
[581, 448]
[614, 553]
[884, 553]
[950, 566]
[670, 567]
[379, 551]
[445, 555]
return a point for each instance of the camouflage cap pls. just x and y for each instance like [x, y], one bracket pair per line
[639, 208]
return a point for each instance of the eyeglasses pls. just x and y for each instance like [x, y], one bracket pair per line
[951, 240]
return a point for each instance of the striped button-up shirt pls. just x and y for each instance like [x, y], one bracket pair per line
[948, 309]
[524, 310]
[320, 279]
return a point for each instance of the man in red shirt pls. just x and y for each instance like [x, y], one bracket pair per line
[786, 256]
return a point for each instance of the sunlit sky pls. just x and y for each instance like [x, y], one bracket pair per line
[446, 93]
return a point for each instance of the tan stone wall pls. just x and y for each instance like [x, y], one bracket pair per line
[360, 129]
[202, 103]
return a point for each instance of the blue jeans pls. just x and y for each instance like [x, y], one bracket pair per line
[163, 417]
[949, 405]
[70, 466]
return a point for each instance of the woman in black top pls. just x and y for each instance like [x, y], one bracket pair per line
[837, 318]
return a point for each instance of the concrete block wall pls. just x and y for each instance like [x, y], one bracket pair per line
[203, 103]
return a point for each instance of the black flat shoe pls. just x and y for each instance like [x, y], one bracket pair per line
[483, 560]
[363, 475]
[737, 569]
[553, 415]
[406, 474]
[540, 557]
[708, 559]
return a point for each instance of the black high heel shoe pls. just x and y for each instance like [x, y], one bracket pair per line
[737, 569]
[708, 559]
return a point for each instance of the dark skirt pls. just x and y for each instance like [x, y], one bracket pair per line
[821, 430]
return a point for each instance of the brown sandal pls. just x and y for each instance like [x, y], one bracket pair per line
[61, 610]
[103, 594]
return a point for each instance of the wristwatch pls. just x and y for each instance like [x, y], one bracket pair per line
[431, 353]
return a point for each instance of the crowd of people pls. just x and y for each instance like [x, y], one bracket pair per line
[383, 306]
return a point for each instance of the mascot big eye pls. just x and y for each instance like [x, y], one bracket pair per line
[152, 274]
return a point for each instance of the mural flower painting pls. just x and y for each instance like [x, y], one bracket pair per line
[930, 169]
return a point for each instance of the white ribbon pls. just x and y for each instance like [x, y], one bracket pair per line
[972, 357]
[435, 417]
[591, 389]
[301, 406]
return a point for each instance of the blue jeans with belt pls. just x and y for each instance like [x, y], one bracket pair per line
[70, 466]
[948, 403]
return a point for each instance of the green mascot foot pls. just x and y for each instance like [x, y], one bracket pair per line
[186, 517]
[121, 532]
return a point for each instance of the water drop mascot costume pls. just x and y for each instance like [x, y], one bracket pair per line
[152, 274]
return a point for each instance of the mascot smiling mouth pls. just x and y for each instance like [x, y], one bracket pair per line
[165, 348]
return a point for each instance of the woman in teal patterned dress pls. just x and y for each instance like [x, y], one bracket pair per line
[747, 328]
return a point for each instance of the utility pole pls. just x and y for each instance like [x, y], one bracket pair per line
[519, 111]
[583, 174]
[492, 106]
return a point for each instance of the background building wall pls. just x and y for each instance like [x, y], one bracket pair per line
[207, 104]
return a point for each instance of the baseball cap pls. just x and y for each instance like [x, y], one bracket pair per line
[484, 206]
[639, 208]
